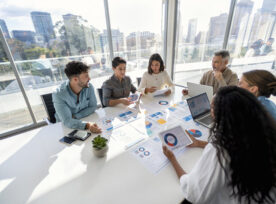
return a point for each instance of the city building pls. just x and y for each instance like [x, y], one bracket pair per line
[43, 24]
[24, 36]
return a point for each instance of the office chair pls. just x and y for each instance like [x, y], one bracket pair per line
[100, 92]
[49, 107]
[138, 80]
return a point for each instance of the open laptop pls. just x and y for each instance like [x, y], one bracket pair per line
[200, 109]
[196, 89]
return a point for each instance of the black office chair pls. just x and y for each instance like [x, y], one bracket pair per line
[185, 202]
[138, 80]
[49, 106]
[100, 92]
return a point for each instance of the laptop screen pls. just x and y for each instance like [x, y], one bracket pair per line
[199, 105]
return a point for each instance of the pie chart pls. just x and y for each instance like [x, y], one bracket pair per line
[195, 133]
[170, 139]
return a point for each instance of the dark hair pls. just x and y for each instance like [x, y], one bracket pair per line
[264, 80]
[75, 68]
[223, 53]
[156, 57]
[244, 134]
[117, 61]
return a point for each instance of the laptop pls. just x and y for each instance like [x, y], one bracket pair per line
[200, 109]
[196, 89]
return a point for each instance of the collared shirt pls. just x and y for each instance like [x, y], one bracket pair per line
[269, 105]
[69, 109]
[229, 79]
[113, 88]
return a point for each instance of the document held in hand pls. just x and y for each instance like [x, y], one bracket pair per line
[135, 97]
[160, 92]
[175, 138]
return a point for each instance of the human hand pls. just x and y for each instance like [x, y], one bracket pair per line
[168, 92]
[93, 127]
[185, 92]
[126, 101]
[168, 153]
[196, 143]
[194, 140]
[150, 90]
[218, 75]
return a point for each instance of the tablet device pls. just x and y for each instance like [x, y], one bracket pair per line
[175, 137]
[67, 140]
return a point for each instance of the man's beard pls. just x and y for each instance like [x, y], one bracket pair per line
[83, 85]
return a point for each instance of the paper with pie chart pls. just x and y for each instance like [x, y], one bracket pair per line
[175, 138]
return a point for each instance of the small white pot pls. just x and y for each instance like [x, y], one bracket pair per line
[100, 153]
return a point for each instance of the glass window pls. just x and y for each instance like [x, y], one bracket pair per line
[136, 32]
[13, 112]
[43, 39]
[252, 36]
[200, 31]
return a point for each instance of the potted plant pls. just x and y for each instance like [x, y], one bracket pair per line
[100, 146]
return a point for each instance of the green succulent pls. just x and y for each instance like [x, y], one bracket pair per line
[99, 142]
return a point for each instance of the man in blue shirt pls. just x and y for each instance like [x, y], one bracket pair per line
[75, 99]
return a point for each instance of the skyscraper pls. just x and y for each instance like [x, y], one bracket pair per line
[217, 28]
[80, 35]
[243, 10]
[191, 31]
[117, 40]
[4, 28]
[43, 24]
[268, 6]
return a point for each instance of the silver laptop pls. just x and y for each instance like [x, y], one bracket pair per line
[196, 89]
[200, 109]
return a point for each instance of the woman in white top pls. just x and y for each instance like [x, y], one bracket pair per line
[239, 163]
[156, 77]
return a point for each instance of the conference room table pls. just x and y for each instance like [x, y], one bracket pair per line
[36, 168]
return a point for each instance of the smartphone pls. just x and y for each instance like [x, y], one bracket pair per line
[71, 134]
[79, 134]
[68, 140]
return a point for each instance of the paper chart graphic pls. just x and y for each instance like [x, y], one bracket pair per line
[163, 102]
[188, 118]
[170, 139]
[195, 133]
[142, 152]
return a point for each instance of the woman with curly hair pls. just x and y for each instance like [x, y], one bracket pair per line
[238, 165]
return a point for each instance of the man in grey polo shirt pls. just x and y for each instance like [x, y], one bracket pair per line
[117, 88]
[75, 98]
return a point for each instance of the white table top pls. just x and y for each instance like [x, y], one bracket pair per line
[36, 168]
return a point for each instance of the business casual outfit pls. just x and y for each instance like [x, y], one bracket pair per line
[70, 108]
[207, 182]
[160, 80]
[113, 88]
[229, 79]
[269, 105]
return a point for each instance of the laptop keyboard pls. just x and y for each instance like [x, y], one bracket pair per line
[206, 120]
